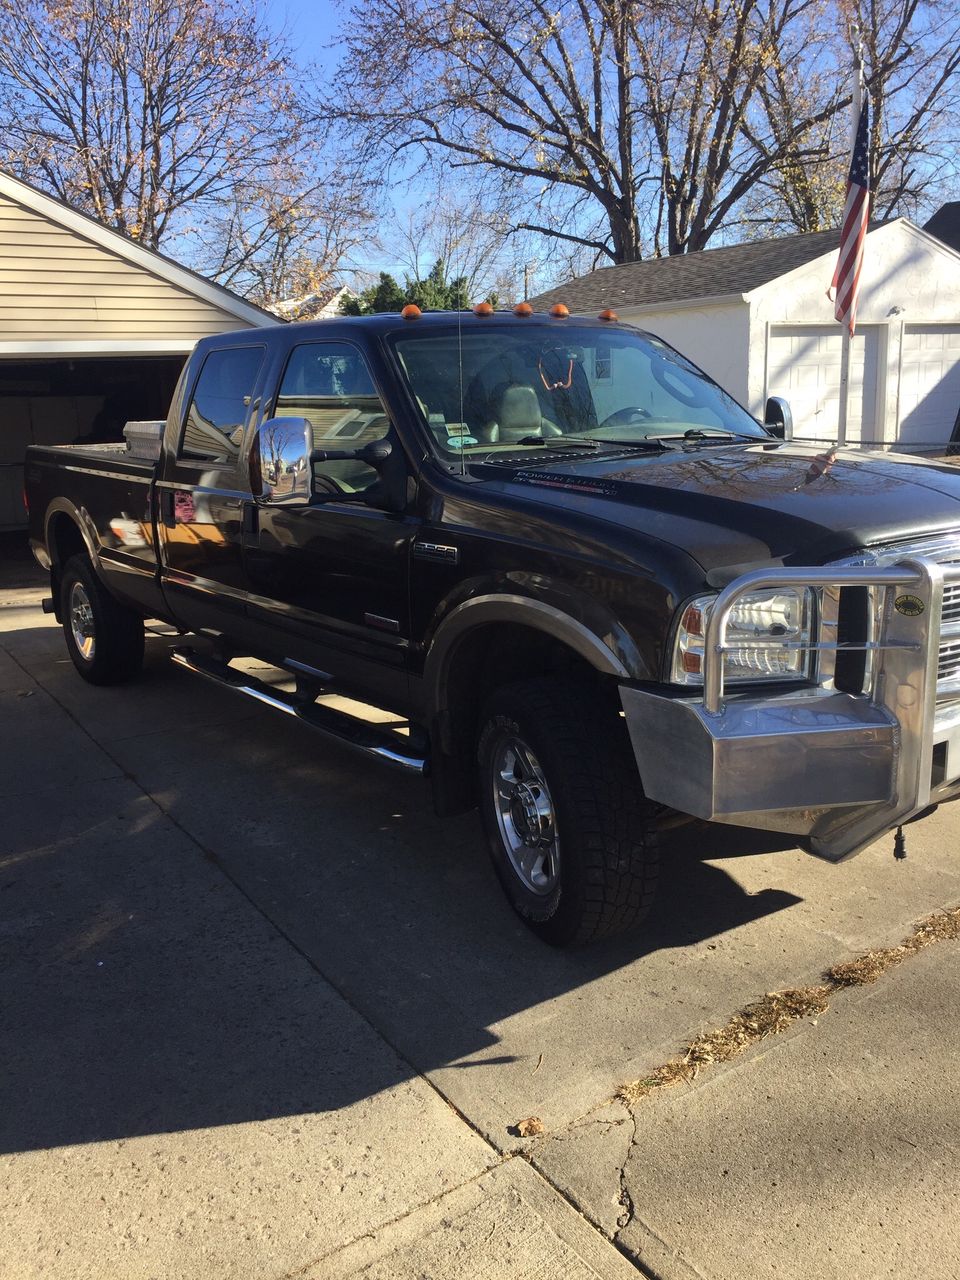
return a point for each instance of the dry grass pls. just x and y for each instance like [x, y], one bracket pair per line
[780, 1009]
[766, 1017]
[940, 926]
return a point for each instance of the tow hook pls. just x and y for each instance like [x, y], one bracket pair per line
[900, 845]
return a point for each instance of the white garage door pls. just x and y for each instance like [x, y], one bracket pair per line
[803, 366]
[929, 383]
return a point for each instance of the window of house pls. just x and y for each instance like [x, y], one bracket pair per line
[213, 431]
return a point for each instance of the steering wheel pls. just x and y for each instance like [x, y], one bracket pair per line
[674, 386]
[623, 417]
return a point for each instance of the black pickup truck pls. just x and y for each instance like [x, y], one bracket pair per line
[596, 591]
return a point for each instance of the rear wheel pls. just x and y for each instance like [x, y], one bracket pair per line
[572, 838]
[104, 639]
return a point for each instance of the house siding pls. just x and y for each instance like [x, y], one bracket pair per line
[714, 337]
[56, 285]
[909, 279]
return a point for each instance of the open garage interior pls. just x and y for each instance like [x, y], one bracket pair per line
[94, 330]
[73, 401]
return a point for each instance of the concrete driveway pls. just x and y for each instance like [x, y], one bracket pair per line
[265, 1016]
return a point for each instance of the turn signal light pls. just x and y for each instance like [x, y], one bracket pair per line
[411, 312]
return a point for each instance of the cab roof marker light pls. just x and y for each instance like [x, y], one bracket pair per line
[560, 311]
[483, 309]
[411, 312]
[609, 314]
[523, 309]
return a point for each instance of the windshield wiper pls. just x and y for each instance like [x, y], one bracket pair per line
[559, 442]
[715, 433]
[647, 443]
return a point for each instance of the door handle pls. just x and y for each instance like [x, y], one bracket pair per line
[168, 509]
[250, 524]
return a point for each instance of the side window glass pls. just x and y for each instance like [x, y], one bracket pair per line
[329, 384]
[213, 431]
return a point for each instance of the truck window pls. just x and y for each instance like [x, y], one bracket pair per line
[329, 384]
[213, 431]
[499, 386]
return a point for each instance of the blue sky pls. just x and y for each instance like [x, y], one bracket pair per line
[311, 25]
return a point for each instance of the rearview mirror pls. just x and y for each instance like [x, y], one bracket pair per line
[280, 468]
[778, 419]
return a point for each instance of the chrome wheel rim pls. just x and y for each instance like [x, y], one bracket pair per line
[81, 622]
[526, 816]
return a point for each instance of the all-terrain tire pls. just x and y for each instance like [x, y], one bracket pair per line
[104, 639]
[606, 831]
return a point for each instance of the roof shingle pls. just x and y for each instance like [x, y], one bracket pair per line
[737, 268]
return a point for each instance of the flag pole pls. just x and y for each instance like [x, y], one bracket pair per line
[845, 338]
[844, 387]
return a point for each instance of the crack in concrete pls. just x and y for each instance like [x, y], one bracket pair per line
[628, 1208]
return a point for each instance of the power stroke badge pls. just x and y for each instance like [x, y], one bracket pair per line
[910, 606]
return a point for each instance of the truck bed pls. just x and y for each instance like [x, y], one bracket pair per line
[91, 457]
[104, 491]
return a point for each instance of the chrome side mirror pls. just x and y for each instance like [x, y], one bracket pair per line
[280, 469]
[778, 419]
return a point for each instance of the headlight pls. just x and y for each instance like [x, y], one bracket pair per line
[766, 635]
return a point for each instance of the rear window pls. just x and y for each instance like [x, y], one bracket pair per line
[220, 405]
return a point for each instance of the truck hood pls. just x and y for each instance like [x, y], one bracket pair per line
[769, 500]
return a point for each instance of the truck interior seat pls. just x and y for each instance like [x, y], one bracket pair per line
[517, 415]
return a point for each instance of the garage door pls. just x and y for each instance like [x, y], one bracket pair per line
[929, 383]
[803, 366]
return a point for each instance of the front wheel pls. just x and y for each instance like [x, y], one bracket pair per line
[572, 838]
[104, 639]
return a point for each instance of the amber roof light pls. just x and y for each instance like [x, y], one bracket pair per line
[560, 311]
[411, 312]
[523, 309]
[483, 309]
[608, 315]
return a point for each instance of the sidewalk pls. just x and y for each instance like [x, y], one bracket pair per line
[833, 1151]
[264, 1016]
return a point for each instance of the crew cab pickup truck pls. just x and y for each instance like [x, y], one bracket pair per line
[597, 593]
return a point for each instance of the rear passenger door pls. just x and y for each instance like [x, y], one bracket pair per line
[204, 489]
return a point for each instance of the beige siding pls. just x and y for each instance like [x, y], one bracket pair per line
[55, 285]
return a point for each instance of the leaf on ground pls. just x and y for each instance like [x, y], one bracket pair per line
[528, 1128]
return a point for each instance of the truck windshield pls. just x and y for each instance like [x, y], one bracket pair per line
[499, 388]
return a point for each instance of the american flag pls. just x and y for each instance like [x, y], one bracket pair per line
[856, 215]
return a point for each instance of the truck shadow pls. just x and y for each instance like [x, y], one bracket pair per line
[147, 913]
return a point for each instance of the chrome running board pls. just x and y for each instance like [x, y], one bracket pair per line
[374, 740]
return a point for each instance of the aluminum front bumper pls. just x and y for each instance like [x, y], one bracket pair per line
[838, 768]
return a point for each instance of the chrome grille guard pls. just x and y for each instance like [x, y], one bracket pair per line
[838, 768]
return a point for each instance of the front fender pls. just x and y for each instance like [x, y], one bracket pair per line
[597, 638]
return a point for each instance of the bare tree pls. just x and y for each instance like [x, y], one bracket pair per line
[910, 51]
[640, 126]
[514, 89]
[469, 232]
[286, 233]
[706, 67]
[911, 55]
[144, 113]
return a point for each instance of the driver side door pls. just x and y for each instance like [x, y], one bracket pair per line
[331, 577]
